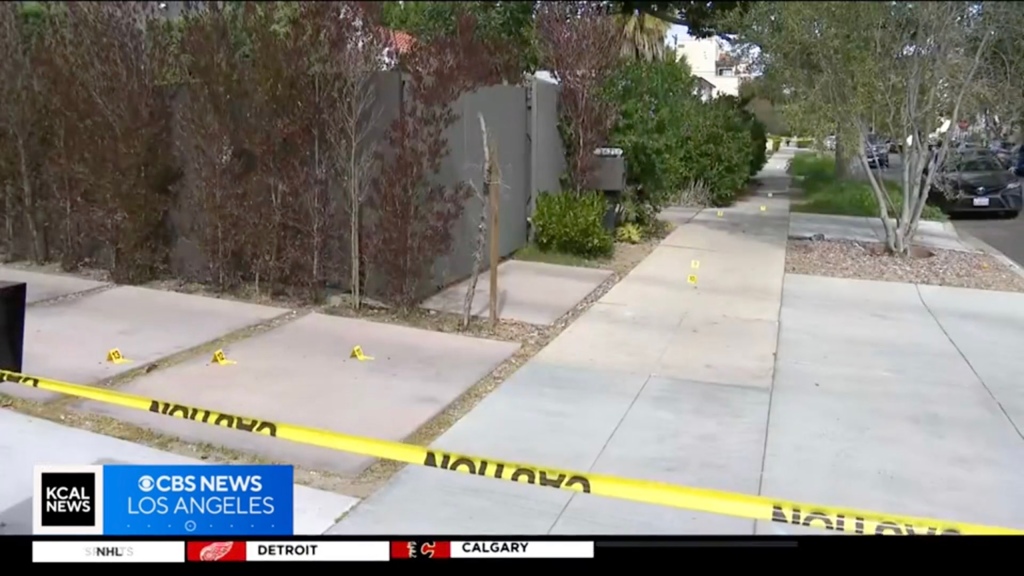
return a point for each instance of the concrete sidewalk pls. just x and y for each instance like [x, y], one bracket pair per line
[660, 380]
[30, 441]
[899, 398]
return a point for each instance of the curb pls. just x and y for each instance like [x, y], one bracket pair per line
[948, 227]
[978, 243]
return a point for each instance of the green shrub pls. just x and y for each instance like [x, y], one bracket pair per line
[629, 233]
[823, 194]
[715, 149]
[654, 100]
[776, 144]
[758, 145]
[811, 166]
[572, 224]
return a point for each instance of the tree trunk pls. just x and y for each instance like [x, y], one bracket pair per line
[354, 238]
[481, 230]
[842, 167]
[28, 200]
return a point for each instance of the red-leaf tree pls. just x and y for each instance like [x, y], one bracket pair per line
[111, 167]
[413, 216]
[264, 138]
[580, 44]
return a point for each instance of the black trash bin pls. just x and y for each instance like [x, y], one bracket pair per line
[12, 325]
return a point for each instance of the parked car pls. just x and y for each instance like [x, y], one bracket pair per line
[974, 180]
[1005, 154]
[877, 153]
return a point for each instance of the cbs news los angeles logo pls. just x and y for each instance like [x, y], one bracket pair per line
[68, 500]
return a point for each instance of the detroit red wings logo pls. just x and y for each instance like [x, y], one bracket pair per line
[215, 551]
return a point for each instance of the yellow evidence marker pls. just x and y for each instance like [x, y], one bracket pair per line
[357, 353]
[114, 356]
[692, 279]
[221, 360]
[695, 264]
[764, 208]
[720, 214]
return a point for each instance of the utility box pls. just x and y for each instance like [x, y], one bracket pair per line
[12, 325]
[609, 177]
[609, 170]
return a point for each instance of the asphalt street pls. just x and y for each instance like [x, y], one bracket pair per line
[1003, 234]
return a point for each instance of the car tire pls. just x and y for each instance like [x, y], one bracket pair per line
[1012, 214]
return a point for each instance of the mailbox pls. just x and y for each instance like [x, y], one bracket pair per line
[12, 325]
[609, 172]
[609, 176]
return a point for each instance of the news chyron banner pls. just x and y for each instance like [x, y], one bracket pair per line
[322, 550]
[341, 551]
[189, 500]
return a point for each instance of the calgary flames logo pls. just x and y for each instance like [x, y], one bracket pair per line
[215, 551]
[418, 549]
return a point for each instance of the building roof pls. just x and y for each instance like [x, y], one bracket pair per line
[402, 42]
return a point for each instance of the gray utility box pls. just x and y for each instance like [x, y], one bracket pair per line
[609, 170]
[609, 176]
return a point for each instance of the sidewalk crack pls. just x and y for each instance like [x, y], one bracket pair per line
[603, 448]
[968, 362]
[775, 372]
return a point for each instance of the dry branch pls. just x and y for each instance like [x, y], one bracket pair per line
[481, 228]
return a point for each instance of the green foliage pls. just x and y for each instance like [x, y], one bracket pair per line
[813, 167]
[756, 129]
[672, 140]
[715, 148]
[702, 19]
[635, 207]
[824, 194]
[510, 23]
[776, 144]
[572, 224]
[629, 233]
[654, 99]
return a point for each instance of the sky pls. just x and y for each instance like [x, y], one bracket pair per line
[676, 30]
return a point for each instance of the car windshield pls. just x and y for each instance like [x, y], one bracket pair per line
[978, 163]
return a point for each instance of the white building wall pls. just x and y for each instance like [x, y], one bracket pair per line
[702, 55]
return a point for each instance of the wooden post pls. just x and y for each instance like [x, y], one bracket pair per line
[494, 201]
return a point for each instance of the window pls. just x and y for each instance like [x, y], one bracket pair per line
[725, 72]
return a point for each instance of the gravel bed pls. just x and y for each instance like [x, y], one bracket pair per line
[869, 261]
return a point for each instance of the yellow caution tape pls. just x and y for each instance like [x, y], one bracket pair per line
[699, 499]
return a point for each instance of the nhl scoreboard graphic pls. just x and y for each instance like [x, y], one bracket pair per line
[322, 550]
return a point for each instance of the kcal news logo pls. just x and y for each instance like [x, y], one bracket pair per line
[164, 500]
[68, 500]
